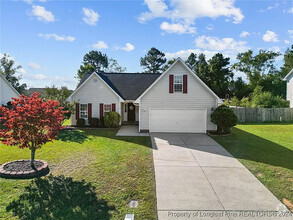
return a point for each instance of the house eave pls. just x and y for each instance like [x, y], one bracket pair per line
[287, 76]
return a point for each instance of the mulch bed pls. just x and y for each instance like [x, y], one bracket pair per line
[21, 169]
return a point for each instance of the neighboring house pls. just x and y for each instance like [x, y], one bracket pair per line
[289, 79]
[174, 101]
[7, 91]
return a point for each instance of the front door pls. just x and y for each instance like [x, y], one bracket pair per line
[131, 112]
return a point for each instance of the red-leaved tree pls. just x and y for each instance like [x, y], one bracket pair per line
[30, 123]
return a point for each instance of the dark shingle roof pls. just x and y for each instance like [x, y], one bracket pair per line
[128, 85]
[30, 91]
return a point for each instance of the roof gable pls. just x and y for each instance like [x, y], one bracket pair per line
[84, 81]
[288, 75]
[189, 70]
[129, 86]
[6, 81]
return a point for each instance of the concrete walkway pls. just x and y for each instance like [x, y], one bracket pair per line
[130, 130]
[196, 178]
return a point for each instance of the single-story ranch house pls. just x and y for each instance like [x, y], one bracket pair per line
[289, 79]
[174, 101]
[7, 91]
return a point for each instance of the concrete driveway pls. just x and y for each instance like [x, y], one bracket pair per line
[196, 178]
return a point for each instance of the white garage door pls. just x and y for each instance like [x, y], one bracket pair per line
[175, 120]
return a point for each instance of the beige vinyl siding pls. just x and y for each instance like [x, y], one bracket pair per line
[95, 93]
[158, 97]
[290, 90]
[6, 92]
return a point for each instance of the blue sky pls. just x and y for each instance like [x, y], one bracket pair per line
[49, 38]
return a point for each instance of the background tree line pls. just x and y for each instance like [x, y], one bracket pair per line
[264, 86]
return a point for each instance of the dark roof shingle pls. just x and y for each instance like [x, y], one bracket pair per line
[128, 85]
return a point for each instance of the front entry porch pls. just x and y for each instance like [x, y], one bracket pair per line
[129, 113]
[131, 131]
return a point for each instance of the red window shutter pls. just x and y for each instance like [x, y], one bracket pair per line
[77, 111]
[89, 110]
[184, 83]
[101, 110]
[113, 107]
[171, 83]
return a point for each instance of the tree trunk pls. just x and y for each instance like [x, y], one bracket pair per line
[33, 151]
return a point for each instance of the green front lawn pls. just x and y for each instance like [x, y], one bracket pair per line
[94, 176]
[267, 151]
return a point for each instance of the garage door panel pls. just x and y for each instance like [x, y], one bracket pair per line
[185, 121]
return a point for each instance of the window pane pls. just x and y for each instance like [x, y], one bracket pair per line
[107, 107]
[178, 79]
[178, 87]
[83, 111]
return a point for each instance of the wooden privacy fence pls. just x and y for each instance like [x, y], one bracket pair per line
[263, 114]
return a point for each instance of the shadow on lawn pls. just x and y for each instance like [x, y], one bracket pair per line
[59, 197]
[244, 145]
[72, 136]
[111, 134]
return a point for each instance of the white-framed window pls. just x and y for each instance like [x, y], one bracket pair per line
[83, 111]
[178, 83]
[107, 108]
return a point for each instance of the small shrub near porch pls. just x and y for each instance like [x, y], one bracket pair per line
[111, 119]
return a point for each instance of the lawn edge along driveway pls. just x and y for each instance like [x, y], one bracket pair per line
[193, 173]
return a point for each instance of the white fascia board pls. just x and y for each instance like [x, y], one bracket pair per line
[5, 80]
[287, 76]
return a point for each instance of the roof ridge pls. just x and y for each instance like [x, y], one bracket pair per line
[136, 73]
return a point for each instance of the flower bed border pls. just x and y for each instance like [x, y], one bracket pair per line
[41, 171]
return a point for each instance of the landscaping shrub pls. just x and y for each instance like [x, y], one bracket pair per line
[224, 118]
[102, 124]
[80, 122]
[94, 122]
[259, 99]
[111, 119]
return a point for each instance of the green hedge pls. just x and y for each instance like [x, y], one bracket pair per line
[80, 122]
[111, 119]
[94, 122]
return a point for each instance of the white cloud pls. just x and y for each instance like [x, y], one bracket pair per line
[57, 37]
[210, 27]
[177, 28]
[157, 9]
[290, 10]
[287, 42]
[21, 71]
[224, 44]
[40, 76]
[42, 14]
[209, 46]
[275, 49]
[100, 45]
[185, 53]
[244, 34]
[34, 66]
[290, 33]
[270, 36]
[128, 47]
[41, 81]
[186, 12]
[273, 6]
[90, 17]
